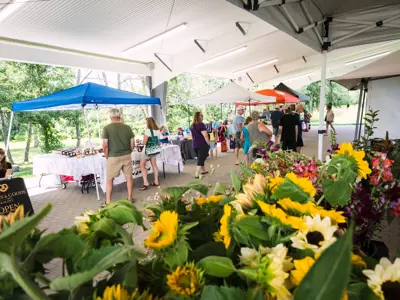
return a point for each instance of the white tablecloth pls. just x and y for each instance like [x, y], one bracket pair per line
[63, 165]
[96, 164]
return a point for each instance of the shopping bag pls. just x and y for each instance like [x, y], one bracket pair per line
[153, 146]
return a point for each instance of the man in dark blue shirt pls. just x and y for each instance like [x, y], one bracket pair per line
[276, 116]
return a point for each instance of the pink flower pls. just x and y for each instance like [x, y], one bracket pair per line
[383, 155]
[387, 175]
[373, 179]
[375, 163]
[387, 163]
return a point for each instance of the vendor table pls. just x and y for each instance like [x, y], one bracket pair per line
[186, 147]
[96, 164]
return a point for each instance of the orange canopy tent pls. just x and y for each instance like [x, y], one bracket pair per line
[281, 98]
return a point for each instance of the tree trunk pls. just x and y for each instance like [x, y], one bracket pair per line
[5, 134]
[78, 134]
[35, 138]
[28, 143]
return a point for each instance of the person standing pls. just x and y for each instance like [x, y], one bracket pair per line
[118, 144]
[5, 166]
[258, 131]
[246, 138]
[289, 126]
[298, 110]
[201, 142]
[237, 123]
[163, 134]
[276, 116]
[151, 137]
[329, 118]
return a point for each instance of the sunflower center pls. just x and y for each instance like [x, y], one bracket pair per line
[314, 238]
[391, 290]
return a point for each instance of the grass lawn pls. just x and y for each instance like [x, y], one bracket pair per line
[18, 152]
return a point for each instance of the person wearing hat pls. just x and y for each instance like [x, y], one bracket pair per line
[276, 116]
[237, 123]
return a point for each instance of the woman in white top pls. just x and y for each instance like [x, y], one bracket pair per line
[329, 118]
[150, 124]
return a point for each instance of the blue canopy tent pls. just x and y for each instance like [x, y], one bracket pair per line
[85, 96]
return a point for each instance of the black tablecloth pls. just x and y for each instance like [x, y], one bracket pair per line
[186, 147]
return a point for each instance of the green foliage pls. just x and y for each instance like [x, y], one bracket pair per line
[328, 277]
[222, 293]
[288, 189]
[217, 266]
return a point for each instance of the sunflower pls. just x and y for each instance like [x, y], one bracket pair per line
[357, 260]
[362, 166]
[115, 293]
[384, 281]
[251, 189]
[164, 231]
[201, 201]
[224, 229]
[215, 199]
[274, 183]
[317, 236]
[11, 218]
[143, 296]
[186, 280]
[309, 208]
[304, 184]
[278, 214]
[302, 266]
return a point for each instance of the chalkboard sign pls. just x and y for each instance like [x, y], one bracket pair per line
[13, 193]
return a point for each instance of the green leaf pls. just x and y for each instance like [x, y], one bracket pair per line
[213, 292]
[217, 266]
[106, 226]
[189, 226]
[336, 192]
[124, 214]
[202, 188]
[176, 256]
[328, 277]
[220, 189]
[288, 189]
[175, 192]
[255, 294]
[248, 273]
[90, 260]
[237, 183]
[64, 244]
[127, 275]
[253, 226]
[207, 249]
[246, 171]
[14, 235]
[69, 283]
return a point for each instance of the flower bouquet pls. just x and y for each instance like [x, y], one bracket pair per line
[262, 238]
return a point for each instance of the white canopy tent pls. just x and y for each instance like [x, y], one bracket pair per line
[231, 93]
[328, 24]
[268, 41]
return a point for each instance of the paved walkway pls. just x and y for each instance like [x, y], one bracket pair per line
[70, 202]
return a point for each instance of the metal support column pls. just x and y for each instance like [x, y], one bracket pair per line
[321, 129]
[362, 112]
[9, 131]
[98, 123]
[359, 110]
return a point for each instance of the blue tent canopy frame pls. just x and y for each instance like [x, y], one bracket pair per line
[82, 97]
[88, 96]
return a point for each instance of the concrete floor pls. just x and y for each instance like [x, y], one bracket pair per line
[70, 202]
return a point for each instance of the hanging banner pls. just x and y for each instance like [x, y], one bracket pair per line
[13, 193]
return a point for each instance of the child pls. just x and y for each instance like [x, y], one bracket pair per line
[246, 137]
[212, 143]
[329, 118]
